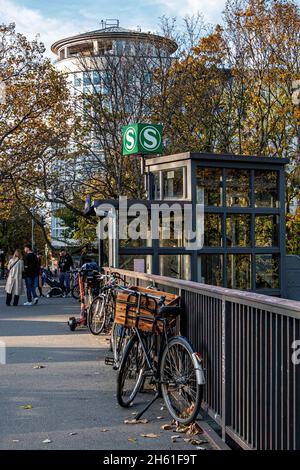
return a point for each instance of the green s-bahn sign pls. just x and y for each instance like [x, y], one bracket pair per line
[142, 139]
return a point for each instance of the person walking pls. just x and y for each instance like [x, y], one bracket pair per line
[14, 283]
[65, 264]
[31, 275]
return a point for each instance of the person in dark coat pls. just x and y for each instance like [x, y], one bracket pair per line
[65, 264]
[31, 275]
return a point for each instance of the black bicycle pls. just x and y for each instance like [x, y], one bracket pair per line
[102, 308]
[169, 362]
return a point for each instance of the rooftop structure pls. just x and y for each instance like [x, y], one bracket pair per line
[109, 39]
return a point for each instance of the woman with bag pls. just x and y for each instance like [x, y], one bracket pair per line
[14, 283]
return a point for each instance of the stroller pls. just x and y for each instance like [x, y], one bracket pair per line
[56, 289]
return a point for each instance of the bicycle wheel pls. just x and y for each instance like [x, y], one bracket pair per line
[115, 339]
[180, 389]
[119, 339]
[130, 376]
[75, 292]
[97, 315]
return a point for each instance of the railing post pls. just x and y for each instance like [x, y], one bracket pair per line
[226, 366]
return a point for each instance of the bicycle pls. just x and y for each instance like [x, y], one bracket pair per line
[170, 362]
[101, 311]
[74, 284]
[89, 288]
[120, 336]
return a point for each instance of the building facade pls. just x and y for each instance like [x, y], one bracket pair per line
[108, 42]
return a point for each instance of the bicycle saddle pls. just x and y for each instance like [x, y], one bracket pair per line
[172, 310]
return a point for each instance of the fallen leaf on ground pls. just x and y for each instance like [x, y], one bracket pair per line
[73, 434]
[159, 417]
[196, 442]
[47, 441]
[136, 421]
[194, 429]
[131, 439]
[39, 367]
[16, 440]
[200, 448]
[104, 430]
[150, 436]
[26, 407]
[182, 429]
[166, 427]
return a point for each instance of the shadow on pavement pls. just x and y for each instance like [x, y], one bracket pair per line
[36, 327]
[23, 355]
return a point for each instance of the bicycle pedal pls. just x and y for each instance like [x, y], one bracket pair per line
[109, 361]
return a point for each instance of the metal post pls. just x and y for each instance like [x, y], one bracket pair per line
[100, 253]
[226, 366]
[32, 232]
[114, 241]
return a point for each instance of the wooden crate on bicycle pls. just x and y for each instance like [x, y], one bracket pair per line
[128, 314]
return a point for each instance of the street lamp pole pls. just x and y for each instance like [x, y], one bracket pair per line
[32, 233]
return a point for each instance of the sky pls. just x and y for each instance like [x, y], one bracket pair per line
[57, 19]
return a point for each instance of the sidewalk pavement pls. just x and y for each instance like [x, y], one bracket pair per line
[70, 403]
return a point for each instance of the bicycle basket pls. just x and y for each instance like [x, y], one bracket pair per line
[128, 314]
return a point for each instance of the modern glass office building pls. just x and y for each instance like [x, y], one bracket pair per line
[244, 221]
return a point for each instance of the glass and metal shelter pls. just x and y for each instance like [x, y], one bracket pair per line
[244, 221]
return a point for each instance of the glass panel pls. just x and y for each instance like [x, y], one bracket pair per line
[238, 192]
[139, 242]
[266, 230]
[142, 263]
[178, 266]
[239, 271]
[77, 80]
[267, 271]
[86, 78]
[212, 230]
[209, 186]
[210, 270]
[238, 230]
[105, 261]
[119, 47]
[156, 185]
[173, 183]
[96, 78]
[171, 232]
[266, 188]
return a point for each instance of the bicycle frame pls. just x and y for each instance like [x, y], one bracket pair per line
[150, 364]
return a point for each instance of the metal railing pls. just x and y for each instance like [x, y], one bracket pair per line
[253, 386]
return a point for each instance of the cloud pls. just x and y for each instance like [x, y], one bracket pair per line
[32, 22]
[211, 9]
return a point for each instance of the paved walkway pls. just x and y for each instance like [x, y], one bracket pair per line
[72, 399]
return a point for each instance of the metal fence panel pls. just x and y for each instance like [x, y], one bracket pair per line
[253, 386]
